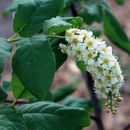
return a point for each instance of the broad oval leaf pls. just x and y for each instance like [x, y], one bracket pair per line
[42, 116]
[31, 14]
[34, 64]
[52, 116]
[115, 32]
[10, 120]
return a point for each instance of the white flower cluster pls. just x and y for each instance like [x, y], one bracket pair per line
[99, 61]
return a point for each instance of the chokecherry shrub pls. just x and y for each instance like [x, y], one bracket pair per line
[46, 33]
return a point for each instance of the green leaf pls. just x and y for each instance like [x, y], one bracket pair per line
[52, 116]
[3, 95]
[79, 102]
[61, 24]
[96, 32]
[42, 116]
[5, 88]
[9, 120]
[115, 32]
[19, 90]
[120, 2]
[7, 85]
[63, 92]
[91, 12]
[34, 64]
[59, 56]
[5, 50]
[68, 3]
[56, 25]
[31, 14]
[81, 65]
[76, 22]
[6, 109]
[48, 96]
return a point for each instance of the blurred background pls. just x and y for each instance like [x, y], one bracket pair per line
[69, 72]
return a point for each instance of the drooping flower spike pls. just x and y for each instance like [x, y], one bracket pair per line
[99, 61]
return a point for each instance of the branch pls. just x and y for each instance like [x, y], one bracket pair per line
[73, 10]
[22, 102]
[90, 84]
[93, 118]
[95, 101]
[127, 127]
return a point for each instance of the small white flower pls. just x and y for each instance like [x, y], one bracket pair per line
[90, 62]
[98, 59]
[63, 48]
[114, 80]
[68, 39]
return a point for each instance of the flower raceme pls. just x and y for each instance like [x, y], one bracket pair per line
[99, 62]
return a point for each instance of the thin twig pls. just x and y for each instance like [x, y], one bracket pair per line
[17, 102]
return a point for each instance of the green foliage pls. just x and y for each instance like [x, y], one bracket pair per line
[59, 56]
[10, 120]
[68, 3]
[19, 90]
[3, 95]
[56, 25]
[76, 21]
[91, 13]
[115, 32]
[61, 24]
[120, 2]
[4, 89]
[36, 66]
[30, 15]
[96, 32]
[81, 65]
[38, 57]
[63, 92]
[51, 114]
[31, 116]
[5, 50]
[79, 102]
